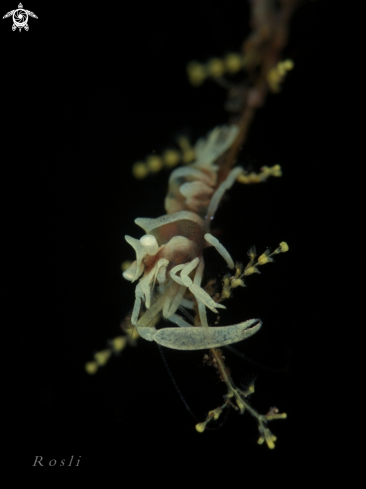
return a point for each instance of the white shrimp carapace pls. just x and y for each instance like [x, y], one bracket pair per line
[169, 256]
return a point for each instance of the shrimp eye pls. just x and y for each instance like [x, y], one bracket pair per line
[149, 243]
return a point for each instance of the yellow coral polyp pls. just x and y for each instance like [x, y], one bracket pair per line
[200, 427]
[215, 413]
[251, 270]
[233, 62]
[196, 73]
[264, 259]
[276, 75]
[154, 163]
[171, 157]
[102, 357]
[119, 343]
[91, 368]
[140, 170]
[284, 247]
[215, 67]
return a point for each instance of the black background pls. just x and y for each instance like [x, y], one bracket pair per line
[88, 91]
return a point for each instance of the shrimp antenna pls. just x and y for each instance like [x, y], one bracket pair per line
[278, 370]
[175, 384]
[209, 428]
[186, 314]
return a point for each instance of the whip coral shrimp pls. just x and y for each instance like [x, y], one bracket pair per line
[169, 256]
[171, 251]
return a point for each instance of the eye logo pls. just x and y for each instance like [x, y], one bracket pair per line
[20, 17]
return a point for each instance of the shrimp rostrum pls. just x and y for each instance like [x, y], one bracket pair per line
[169, 266]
